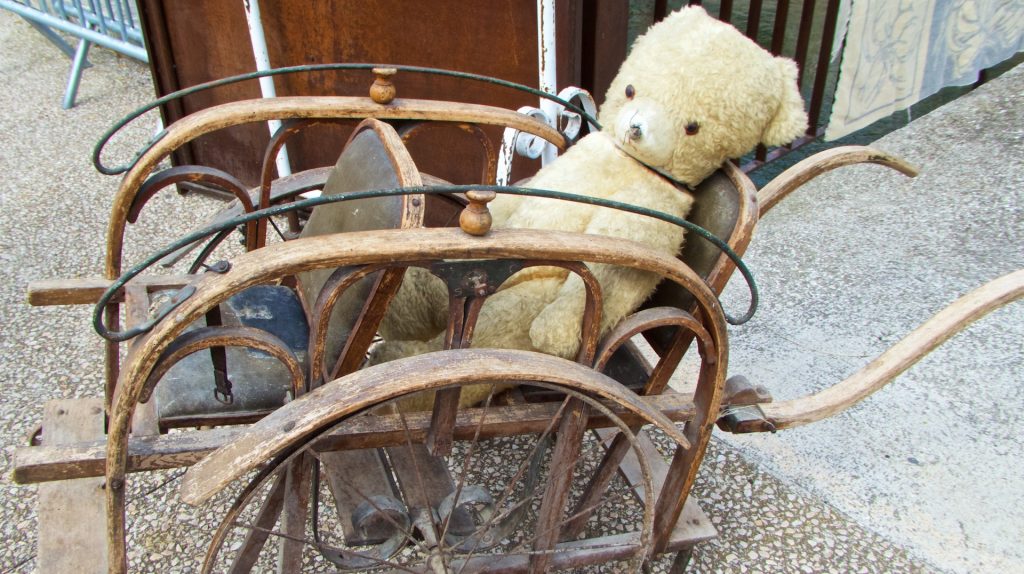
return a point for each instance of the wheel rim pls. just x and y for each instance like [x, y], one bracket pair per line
[502, 484]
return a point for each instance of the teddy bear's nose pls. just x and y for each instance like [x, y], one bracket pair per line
[636, 131]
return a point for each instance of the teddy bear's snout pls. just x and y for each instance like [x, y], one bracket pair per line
[636, 127]
[636, 131]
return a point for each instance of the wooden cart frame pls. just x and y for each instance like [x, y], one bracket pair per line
[345, 424]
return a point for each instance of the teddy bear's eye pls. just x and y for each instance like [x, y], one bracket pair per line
[692, 128]
[630, 91]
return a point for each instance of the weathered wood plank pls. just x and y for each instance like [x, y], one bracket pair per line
[424, 478]
[137, 302]
[88, 290]
[294, 514]
[82, 459]
[72, 516]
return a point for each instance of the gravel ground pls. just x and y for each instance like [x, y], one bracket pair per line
[53, 208]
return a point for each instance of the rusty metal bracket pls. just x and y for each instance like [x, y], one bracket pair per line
[741, 412]
[469, 279]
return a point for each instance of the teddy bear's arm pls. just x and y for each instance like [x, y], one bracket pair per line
[419, 310]
[556, 330]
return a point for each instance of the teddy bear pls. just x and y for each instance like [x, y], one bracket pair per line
[693, 93]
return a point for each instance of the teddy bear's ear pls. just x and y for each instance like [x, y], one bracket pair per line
[790, 119]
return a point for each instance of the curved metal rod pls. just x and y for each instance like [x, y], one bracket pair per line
[102, 329]
[200, 260]
[105, 138]
[281, 189]
[224, 336]
[899, 357]
[323, 407]
[785, 183]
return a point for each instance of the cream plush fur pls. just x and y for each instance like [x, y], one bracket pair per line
[693, 93]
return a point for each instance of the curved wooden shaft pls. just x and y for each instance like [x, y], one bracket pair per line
[316, 411]
[899, 357]
[788, 181]
[190, 174]
[644, 320]
[298, 107]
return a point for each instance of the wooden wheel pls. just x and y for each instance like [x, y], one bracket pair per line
[496, 503]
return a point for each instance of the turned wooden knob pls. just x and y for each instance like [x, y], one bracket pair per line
[475, 218]
[383, 90]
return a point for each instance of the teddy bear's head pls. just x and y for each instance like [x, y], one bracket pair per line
[694, 92]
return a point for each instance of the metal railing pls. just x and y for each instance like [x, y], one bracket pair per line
[112, 24]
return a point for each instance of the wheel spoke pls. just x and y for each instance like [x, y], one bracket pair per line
[256, 539]
[523, 466]
[416, 468]
[465, 464]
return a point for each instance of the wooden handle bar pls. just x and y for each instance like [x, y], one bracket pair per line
[899, 357]
[791, 179]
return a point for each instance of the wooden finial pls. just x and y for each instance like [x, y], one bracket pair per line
[475, 219]
[383, 90]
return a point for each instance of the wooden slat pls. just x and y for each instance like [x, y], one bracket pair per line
[563, 462]
[46, 463]
[72, 516]
[294, 514]
[88, 290]
[426, 481]
[424, 478]
[137, 301]
[82, 459]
